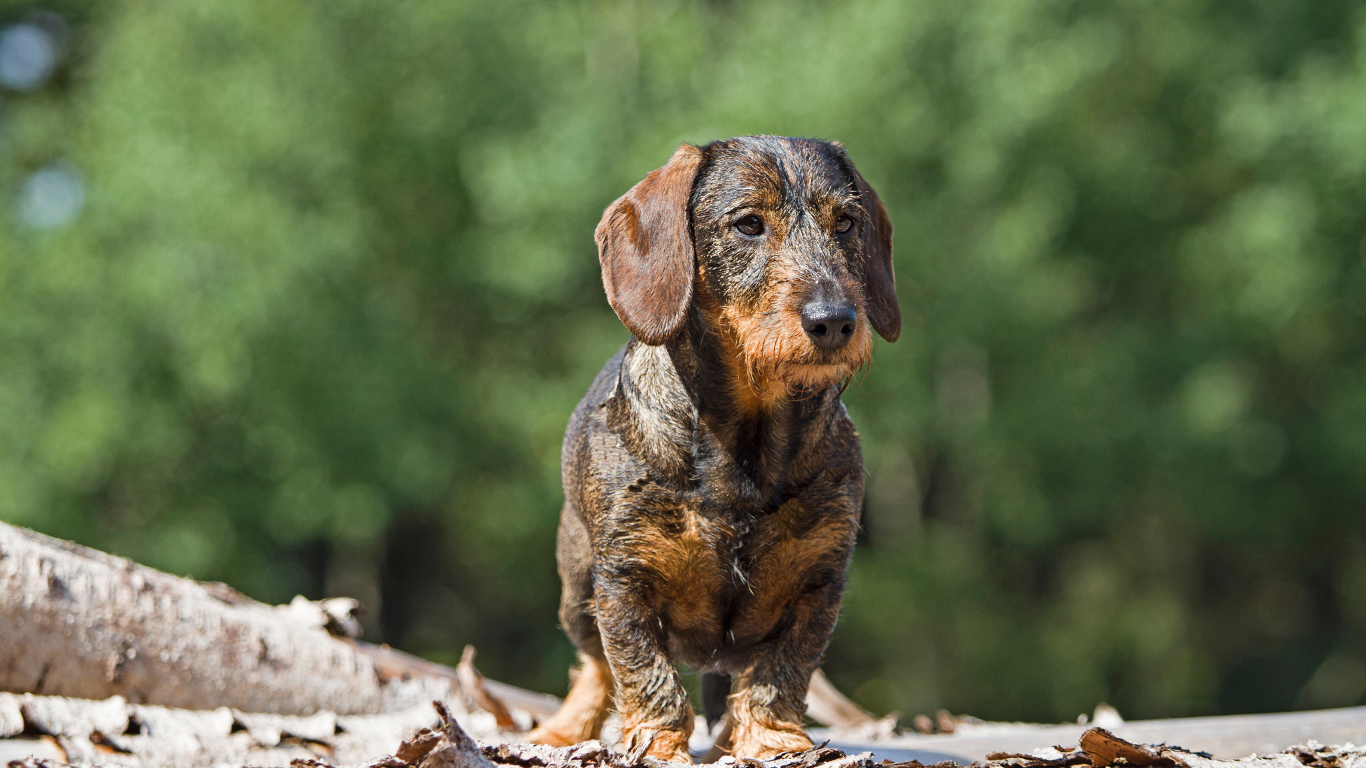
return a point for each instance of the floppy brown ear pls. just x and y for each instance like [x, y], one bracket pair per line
[645, 247]
[883, 311]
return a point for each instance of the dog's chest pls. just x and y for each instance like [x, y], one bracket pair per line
[720, 580]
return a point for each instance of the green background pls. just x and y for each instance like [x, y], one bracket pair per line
[333, 294]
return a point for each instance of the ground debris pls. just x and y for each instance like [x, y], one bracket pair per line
[1099, 748]
[116, 733]
[1318, 755]
[1073, 757]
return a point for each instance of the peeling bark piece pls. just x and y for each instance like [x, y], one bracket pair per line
[337, 615]
[455, 748]
[418, 746]
[174, 737]
[472, 685]
[380, 734]
[11, 718]
[455, 734]
[1315, 755]
[448, 755]
[74, 718]
[1067, 756]
[268, 729]
[818, 755]
[1105, 748]
[529, 755]
[861, 760]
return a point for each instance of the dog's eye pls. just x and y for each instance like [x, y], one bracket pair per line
[843, 223]
[750, 225]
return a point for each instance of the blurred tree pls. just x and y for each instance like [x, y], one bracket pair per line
[300, 295]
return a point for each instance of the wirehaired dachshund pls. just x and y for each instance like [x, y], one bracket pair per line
[712, 477]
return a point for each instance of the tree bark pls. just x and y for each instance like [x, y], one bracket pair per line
[77, 622]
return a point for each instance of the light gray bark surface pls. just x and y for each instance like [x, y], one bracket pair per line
[116, 733]
[77, 622]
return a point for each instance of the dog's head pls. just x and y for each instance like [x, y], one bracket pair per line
[779, 242]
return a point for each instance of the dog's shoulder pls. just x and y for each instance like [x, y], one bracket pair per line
[606, 382]
[604, 385]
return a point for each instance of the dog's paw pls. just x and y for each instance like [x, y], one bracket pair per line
[552, 737]
[764, 741]
[660, 743]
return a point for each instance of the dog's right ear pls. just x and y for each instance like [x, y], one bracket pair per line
[883, 312]
[645, 247]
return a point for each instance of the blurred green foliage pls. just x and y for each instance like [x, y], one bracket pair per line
[330, 295]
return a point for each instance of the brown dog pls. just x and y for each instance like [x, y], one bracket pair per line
[712, 478]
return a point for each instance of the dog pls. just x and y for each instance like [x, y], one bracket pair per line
[713, 480]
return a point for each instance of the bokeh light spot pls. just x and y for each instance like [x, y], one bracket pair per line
[28, 56]
[52, 197]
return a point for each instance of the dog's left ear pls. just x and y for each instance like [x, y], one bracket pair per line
[883, 311]
[645, 248]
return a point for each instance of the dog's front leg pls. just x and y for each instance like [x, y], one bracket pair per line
[769, 697]
[657, 717]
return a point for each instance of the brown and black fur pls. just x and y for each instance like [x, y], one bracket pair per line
[712, 477]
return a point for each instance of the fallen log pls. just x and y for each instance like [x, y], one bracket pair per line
[77, 622]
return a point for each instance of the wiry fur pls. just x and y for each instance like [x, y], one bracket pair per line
[712, 477]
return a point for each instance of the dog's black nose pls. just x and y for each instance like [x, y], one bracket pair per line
[829, 325]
